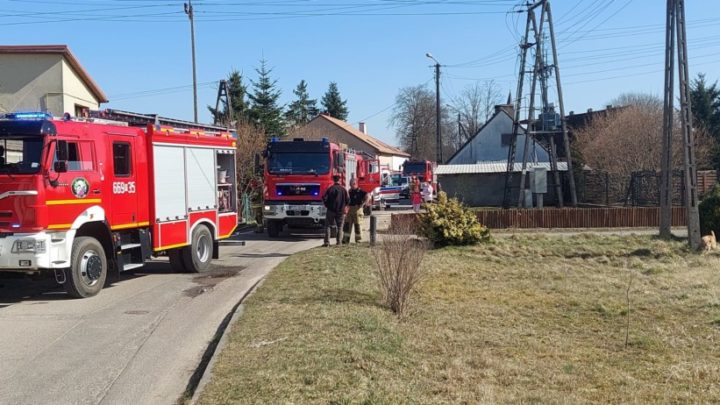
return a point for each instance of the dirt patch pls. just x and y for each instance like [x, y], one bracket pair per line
[207, 281]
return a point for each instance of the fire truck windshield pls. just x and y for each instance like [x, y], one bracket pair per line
[299, 163]
[20, 154]
[414, 168]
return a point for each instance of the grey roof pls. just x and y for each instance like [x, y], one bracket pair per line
[492, 167]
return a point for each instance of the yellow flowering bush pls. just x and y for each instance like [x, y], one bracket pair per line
[448, 222]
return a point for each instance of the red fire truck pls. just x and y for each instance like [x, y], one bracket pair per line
[423, 169]
[82, 197]
[298, 172]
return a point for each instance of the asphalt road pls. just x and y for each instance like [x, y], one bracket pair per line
[139, 341]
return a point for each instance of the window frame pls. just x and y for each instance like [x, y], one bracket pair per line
[129, 159]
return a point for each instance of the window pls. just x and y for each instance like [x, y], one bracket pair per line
[20, 154]
[121, 159]
[81, 111]
[80, 157]
[298, 163]
[506, 139]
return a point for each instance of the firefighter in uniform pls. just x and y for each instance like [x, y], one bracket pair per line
[358, 199]
[335, 200]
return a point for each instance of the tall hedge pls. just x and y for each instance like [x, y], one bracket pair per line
[710, 212]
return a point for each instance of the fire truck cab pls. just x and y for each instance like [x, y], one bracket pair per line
[83, 197]
[298, 172]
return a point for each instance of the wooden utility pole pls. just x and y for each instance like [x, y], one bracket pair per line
[675, 29]
[191, 15]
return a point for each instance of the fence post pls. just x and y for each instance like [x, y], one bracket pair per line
[373, 230]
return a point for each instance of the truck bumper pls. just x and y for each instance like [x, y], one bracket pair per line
[51, 250]
[301, 213]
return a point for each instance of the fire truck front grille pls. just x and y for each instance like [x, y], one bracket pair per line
[297, 189]
[302, 213]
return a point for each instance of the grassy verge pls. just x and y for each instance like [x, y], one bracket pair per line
[524, 319]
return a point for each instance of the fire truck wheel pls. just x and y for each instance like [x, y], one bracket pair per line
[198, 255]
[88, 271]
[176, 260]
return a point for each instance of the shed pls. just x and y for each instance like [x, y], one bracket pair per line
[483, 184]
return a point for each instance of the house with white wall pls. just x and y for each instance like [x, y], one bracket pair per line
[46, 78]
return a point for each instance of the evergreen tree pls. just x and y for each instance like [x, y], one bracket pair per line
[303, 109]
[334, 104]
[705, 100]
[237, 91]
[264, 110]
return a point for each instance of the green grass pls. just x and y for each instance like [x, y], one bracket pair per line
[523, 319]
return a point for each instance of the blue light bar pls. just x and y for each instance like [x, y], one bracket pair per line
[274, 139]
[28, 116]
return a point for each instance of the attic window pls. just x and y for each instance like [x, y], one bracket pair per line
[505, 139]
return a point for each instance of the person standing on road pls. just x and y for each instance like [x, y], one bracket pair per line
[415, 197]
[427, 192]
[359, 198]
[336, 201]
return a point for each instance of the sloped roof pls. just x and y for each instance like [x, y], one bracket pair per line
[493, 167]
[69, 57]
[501, 111]
[377, 144]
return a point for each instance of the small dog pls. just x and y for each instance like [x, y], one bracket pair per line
[709, 242]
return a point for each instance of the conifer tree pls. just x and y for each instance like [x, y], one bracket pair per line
[237, 90]
[333, 104]
[302, 109]
[264, 110]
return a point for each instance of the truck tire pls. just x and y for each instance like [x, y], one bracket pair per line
[273, 228]
[88, 268]
[198, 255]
[176, 260]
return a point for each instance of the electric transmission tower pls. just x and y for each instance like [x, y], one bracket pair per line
[675, 26]
[224, 116]
[549, 128]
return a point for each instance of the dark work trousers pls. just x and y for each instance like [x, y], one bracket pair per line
[334, 220]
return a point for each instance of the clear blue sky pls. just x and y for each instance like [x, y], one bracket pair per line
[138, 51]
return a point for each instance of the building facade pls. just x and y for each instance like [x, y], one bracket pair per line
[46, 78]
[337, 131]
[492, 142]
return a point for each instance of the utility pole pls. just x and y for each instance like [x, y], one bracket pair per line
[675, 25]
[438, 135]
[191, 15]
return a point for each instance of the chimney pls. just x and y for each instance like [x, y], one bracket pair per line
[363, 128]
[508, 108]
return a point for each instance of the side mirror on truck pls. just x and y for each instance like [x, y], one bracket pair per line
[61, 153]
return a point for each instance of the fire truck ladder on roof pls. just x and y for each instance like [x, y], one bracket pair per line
[142, 120]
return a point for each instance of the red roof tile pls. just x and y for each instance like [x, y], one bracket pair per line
[377, 144]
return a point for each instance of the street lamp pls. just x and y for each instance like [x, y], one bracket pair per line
[438, 137]
[191, 15]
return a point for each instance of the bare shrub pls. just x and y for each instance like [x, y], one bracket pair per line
[398, 256]
[629, 140]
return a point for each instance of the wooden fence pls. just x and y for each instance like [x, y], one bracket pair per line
[621, 217]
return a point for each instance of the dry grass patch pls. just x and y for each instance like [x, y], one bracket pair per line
[523, 319]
